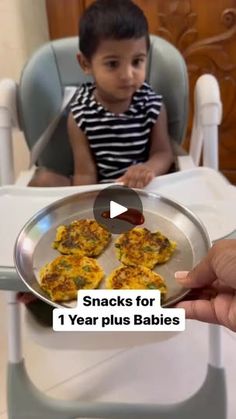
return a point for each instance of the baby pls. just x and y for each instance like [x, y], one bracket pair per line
[117, 125]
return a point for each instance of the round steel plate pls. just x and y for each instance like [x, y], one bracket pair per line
[33, 246]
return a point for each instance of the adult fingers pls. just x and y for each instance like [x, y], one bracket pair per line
[202, 275]
[202, 310]
[220, 309]
[220, 263]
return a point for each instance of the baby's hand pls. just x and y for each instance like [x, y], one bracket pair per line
[137, 176]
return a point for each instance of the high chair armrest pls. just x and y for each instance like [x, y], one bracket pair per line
[184, 163]
[8, 101]
[9, 281]
[178, 150]
[8, 120]
[25, 176]
[207, 117]
[208, 100]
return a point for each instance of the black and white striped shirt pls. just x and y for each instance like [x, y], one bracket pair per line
[116, 140]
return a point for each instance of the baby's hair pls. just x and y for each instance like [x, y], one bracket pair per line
[111, 19]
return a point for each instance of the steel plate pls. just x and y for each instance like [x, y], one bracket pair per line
[33, 245]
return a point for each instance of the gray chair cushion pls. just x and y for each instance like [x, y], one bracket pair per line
[55, 66]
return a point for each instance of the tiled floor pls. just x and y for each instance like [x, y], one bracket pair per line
[134, 375]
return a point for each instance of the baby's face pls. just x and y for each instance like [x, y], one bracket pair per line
[119, 68]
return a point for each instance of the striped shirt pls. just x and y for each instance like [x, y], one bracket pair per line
[116, 141]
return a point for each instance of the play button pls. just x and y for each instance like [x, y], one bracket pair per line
[118, 209]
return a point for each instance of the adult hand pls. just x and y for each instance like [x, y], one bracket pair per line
[214, 279]
[137, 176]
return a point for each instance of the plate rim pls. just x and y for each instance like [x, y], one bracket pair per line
[59, 202]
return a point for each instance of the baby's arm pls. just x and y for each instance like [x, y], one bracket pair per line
[84, 167]
[160, 156]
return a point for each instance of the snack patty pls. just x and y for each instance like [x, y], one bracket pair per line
[81, 237]
[136, 278]
[141, 247]
[65, 275]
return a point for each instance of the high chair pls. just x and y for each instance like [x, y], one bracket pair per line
[30, 107]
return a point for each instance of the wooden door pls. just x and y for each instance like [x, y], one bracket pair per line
[203, 31]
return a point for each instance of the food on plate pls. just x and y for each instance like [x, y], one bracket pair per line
[81, 237]
[141, 247]
[136, 278]
[65, 275]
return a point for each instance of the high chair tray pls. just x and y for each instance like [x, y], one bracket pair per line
[34, 244]
[205, 192]
[196, 186]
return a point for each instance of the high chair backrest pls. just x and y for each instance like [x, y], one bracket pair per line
[54, 66]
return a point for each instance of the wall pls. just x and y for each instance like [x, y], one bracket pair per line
[203, 31]
[23, 28]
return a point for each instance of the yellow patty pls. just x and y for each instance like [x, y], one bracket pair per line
[136, 278]
[81, 237]
[65, 275]
[141, 247]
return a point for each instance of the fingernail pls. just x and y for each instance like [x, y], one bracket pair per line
[181, 275]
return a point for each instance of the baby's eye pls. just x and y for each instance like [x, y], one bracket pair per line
[137, 62]
[112, 64]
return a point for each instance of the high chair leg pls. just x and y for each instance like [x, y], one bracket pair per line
[25, 401]
[14, 328]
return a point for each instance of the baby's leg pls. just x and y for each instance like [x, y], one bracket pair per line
[46, 178]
